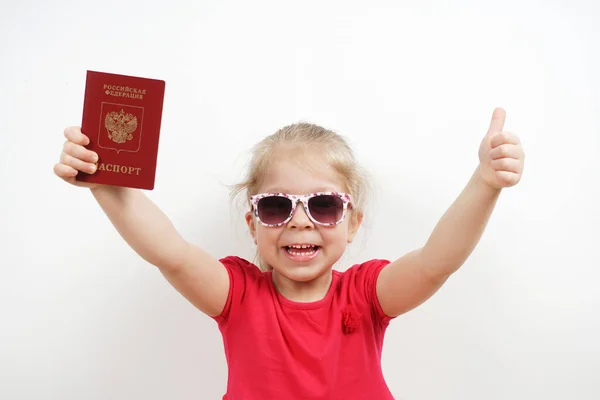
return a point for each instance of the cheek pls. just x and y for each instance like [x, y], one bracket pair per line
[267, 237]
[336, 235]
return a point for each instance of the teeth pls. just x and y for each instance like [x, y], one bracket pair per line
[303, 246]
[307, 249]
[301, 253]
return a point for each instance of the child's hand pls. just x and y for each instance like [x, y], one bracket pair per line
[75, 157]
[501, 155]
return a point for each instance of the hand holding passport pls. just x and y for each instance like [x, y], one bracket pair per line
[122, 117]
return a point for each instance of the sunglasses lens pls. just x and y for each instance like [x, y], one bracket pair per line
[326, 209]
[273, 210]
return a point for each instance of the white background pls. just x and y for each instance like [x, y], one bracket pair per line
[411, 84]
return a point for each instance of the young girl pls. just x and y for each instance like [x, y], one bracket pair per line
[295, 328]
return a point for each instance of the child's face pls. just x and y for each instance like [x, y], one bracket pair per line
[294, 173]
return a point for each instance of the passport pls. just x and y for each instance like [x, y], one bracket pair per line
[122, 117]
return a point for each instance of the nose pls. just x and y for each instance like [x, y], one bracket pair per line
[300, 219]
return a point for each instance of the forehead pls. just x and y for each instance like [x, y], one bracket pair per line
[298, 171]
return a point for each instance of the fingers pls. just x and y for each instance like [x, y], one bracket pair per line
[508, 178]
[74, 134]
[80, 152]
[76, 163]
[76, 157]
[507, 165]
[507, 157]
[503, 137]
[509, 150]
[64, 171]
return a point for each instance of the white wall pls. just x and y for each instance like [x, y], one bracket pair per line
[413, 86]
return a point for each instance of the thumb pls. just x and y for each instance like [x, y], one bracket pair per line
[497, 123]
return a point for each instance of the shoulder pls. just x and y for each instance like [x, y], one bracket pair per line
[239, 265]
[242, 273]
[245, 279]
[364, 274]
[358, 284]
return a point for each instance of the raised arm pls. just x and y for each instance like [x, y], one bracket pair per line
[198, 276]
[415, 277]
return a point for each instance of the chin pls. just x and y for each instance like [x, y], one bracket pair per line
[300, 271]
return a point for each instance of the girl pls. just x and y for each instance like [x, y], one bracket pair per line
[295, 328]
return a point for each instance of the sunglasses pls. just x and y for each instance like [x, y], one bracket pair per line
[323, 208]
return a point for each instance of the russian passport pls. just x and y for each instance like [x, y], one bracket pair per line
[122, 117]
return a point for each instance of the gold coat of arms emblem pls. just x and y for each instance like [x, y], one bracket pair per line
[120, 126]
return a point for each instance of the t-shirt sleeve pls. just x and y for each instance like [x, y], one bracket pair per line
[362, 288]
[242, 278]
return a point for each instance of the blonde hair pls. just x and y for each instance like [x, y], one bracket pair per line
[331, 145]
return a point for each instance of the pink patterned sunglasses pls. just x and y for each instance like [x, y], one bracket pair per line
[323, 208]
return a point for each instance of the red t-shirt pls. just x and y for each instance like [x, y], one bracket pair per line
[284, 350]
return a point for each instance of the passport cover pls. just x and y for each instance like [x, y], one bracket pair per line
[122, 117]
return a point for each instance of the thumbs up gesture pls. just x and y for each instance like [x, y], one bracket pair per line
[501, 155]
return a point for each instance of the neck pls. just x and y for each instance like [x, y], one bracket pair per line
[303, 292]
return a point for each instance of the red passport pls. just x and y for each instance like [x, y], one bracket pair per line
[122, 117]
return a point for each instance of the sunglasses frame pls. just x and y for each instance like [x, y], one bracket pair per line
[301, 198]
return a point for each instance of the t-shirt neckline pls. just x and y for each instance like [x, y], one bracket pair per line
[311, 305]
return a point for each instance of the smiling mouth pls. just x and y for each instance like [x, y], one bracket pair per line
[301, 250]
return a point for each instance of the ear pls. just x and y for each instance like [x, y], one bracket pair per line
[356, 218]
[251, 225]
